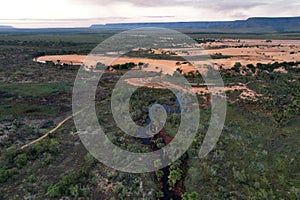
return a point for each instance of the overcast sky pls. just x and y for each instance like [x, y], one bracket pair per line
[81, 13]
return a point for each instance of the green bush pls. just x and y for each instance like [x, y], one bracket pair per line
[174, 176]
[46, 159]
[21, 160]
[125, 66]
[6, 174]
[53, 146]
[84, 191]
[74, 190]
[90, 159]
[54, 191]
[192, 196]
[120, 191]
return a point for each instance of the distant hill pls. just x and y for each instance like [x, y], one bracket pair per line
[287, 24]
[255, 24]
[176, 25]
[6, 27]
[252, 25]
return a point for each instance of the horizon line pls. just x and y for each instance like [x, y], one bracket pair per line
[112, 23]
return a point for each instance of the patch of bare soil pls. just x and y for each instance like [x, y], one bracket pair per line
[246, 93]
[72, 59]
[243, 51]
[254, 51]
[164, 66]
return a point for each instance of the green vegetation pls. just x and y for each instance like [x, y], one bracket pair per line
[25, 110]
[280, 96]
[258, 164]
[151, 55]
[125, 66]
[192, 196]
[219, 56]
[20, 100]
[69, 185]
[204, 41]
[34, 89]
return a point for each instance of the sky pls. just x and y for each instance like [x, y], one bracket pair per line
[83, 13]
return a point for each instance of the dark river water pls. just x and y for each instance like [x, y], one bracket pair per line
[168, 194]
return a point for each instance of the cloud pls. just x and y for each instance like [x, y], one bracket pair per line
[233, 8]
[221, 4]
[159, 17]
[234, 5]
[137, 3]
[87, 12]
[239, 15]
[67, 19]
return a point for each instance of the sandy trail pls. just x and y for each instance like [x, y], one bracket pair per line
[54, 129]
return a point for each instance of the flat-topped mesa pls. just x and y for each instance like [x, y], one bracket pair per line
[251, 25]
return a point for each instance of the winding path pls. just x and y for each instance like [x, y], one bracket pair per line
[54, 129]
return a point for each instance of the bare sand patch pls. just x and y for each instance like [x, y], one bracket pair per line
[246, 93]
[72, 59]
[164, 66]
[254, 51]
[242, 51]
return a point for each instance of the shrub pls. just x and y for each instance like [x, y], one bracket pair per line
[53, 146]
[239, 175]
[90, 159]
[74, 191]
[120, 191]
[192, 196]
[21, 160]
[6, 174]
[84, 191]
[100, 66]
[53, 191]
[237, 66]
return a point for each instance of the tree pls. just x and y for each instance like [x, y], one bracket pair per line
[21, 160]
[159, 194]
[192, 196]
[53, 146]
[194, 175]
[120, 191]
[251, 67]
[237, 66]
[191, 74]
[100, 66]
[140, 64]
[53, 191]
[174, 176]
[159, 174]
[6, 174]
[90, 159]
[74, 190]
[157, 163]
[179, 70]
